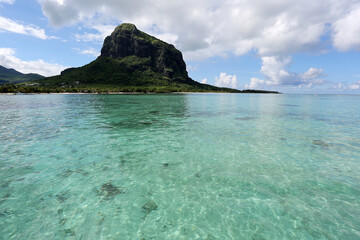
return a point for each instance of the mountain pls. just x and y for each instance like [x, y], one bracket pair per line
[132, 60]
[9, 75]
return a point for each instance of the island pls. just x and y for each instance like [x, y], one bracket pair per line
[131, 61]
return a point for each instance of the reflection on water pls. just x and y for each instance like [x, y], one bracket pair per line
[197, 166]
[142, 111]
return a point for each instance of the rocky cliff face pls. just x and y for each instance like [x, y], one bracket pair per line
[163, 58]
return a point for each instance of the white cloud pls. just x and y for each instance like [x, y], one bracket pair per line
[346, 85]
[204, 81]
[15, 27]
[312, 73]
[206, 28]
[89, 37]
[225, 80]
[276, 74]
[255, 83]
[355, 86]
[102, 31]
[191, 68]
[7, 1]
[347, 31]
[8, 60]
[167, 37]
[89, 51]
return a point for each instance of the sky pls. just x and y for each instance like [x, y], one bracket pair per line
[289, 46]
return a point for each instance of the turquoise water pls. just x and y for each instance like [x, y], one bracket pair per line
[196, 166]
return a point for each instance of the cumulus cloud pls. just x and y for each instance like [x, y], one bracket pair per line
[101, 32]
[347, 31]
[204, 28]
[204, 81]
[346, 85]
[167, 37]
[8, 60]
[9, 25]
[89, 51]
[225, 80]
[276, 74]
[355, 86]
[255, 83]
[191, 68]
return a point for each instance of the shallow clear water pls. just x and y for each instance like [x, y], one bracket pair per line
[197, 166]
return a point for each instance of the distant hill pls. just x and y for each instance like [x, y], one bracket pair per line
[132, 60]
[9, 75]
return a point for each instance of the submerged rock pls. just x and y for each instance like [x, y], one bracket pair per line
[122, 163]
[149, 206]
[62, 221]
[67, 173]
[145, 123]
[69, 232]
[210, 237]
[109, 191]
[320, 143]
[245, 118]
[5, 213]
[82, 172]
[6, 184]
[62, 197]
[198, 175]
[101, 218]
[5, 197]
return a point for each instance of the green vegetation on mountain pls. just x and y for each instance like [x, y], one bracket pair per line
[12, 76]
[130, 61]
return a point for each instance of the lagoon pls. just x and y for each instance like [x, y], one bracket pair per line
[182, 166]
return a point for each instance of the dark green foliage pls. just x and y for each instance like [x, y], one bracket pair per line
[258, 91]
[111, 88]
[12, 76]
[106, 73]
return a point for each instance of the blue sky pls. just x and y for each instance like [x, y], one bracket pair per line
[286, 45]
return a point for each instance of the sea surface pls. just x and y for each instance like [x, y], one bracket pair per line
[192, 166]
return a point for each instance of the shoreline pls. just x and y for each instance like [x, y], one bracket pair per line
[129, 93]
